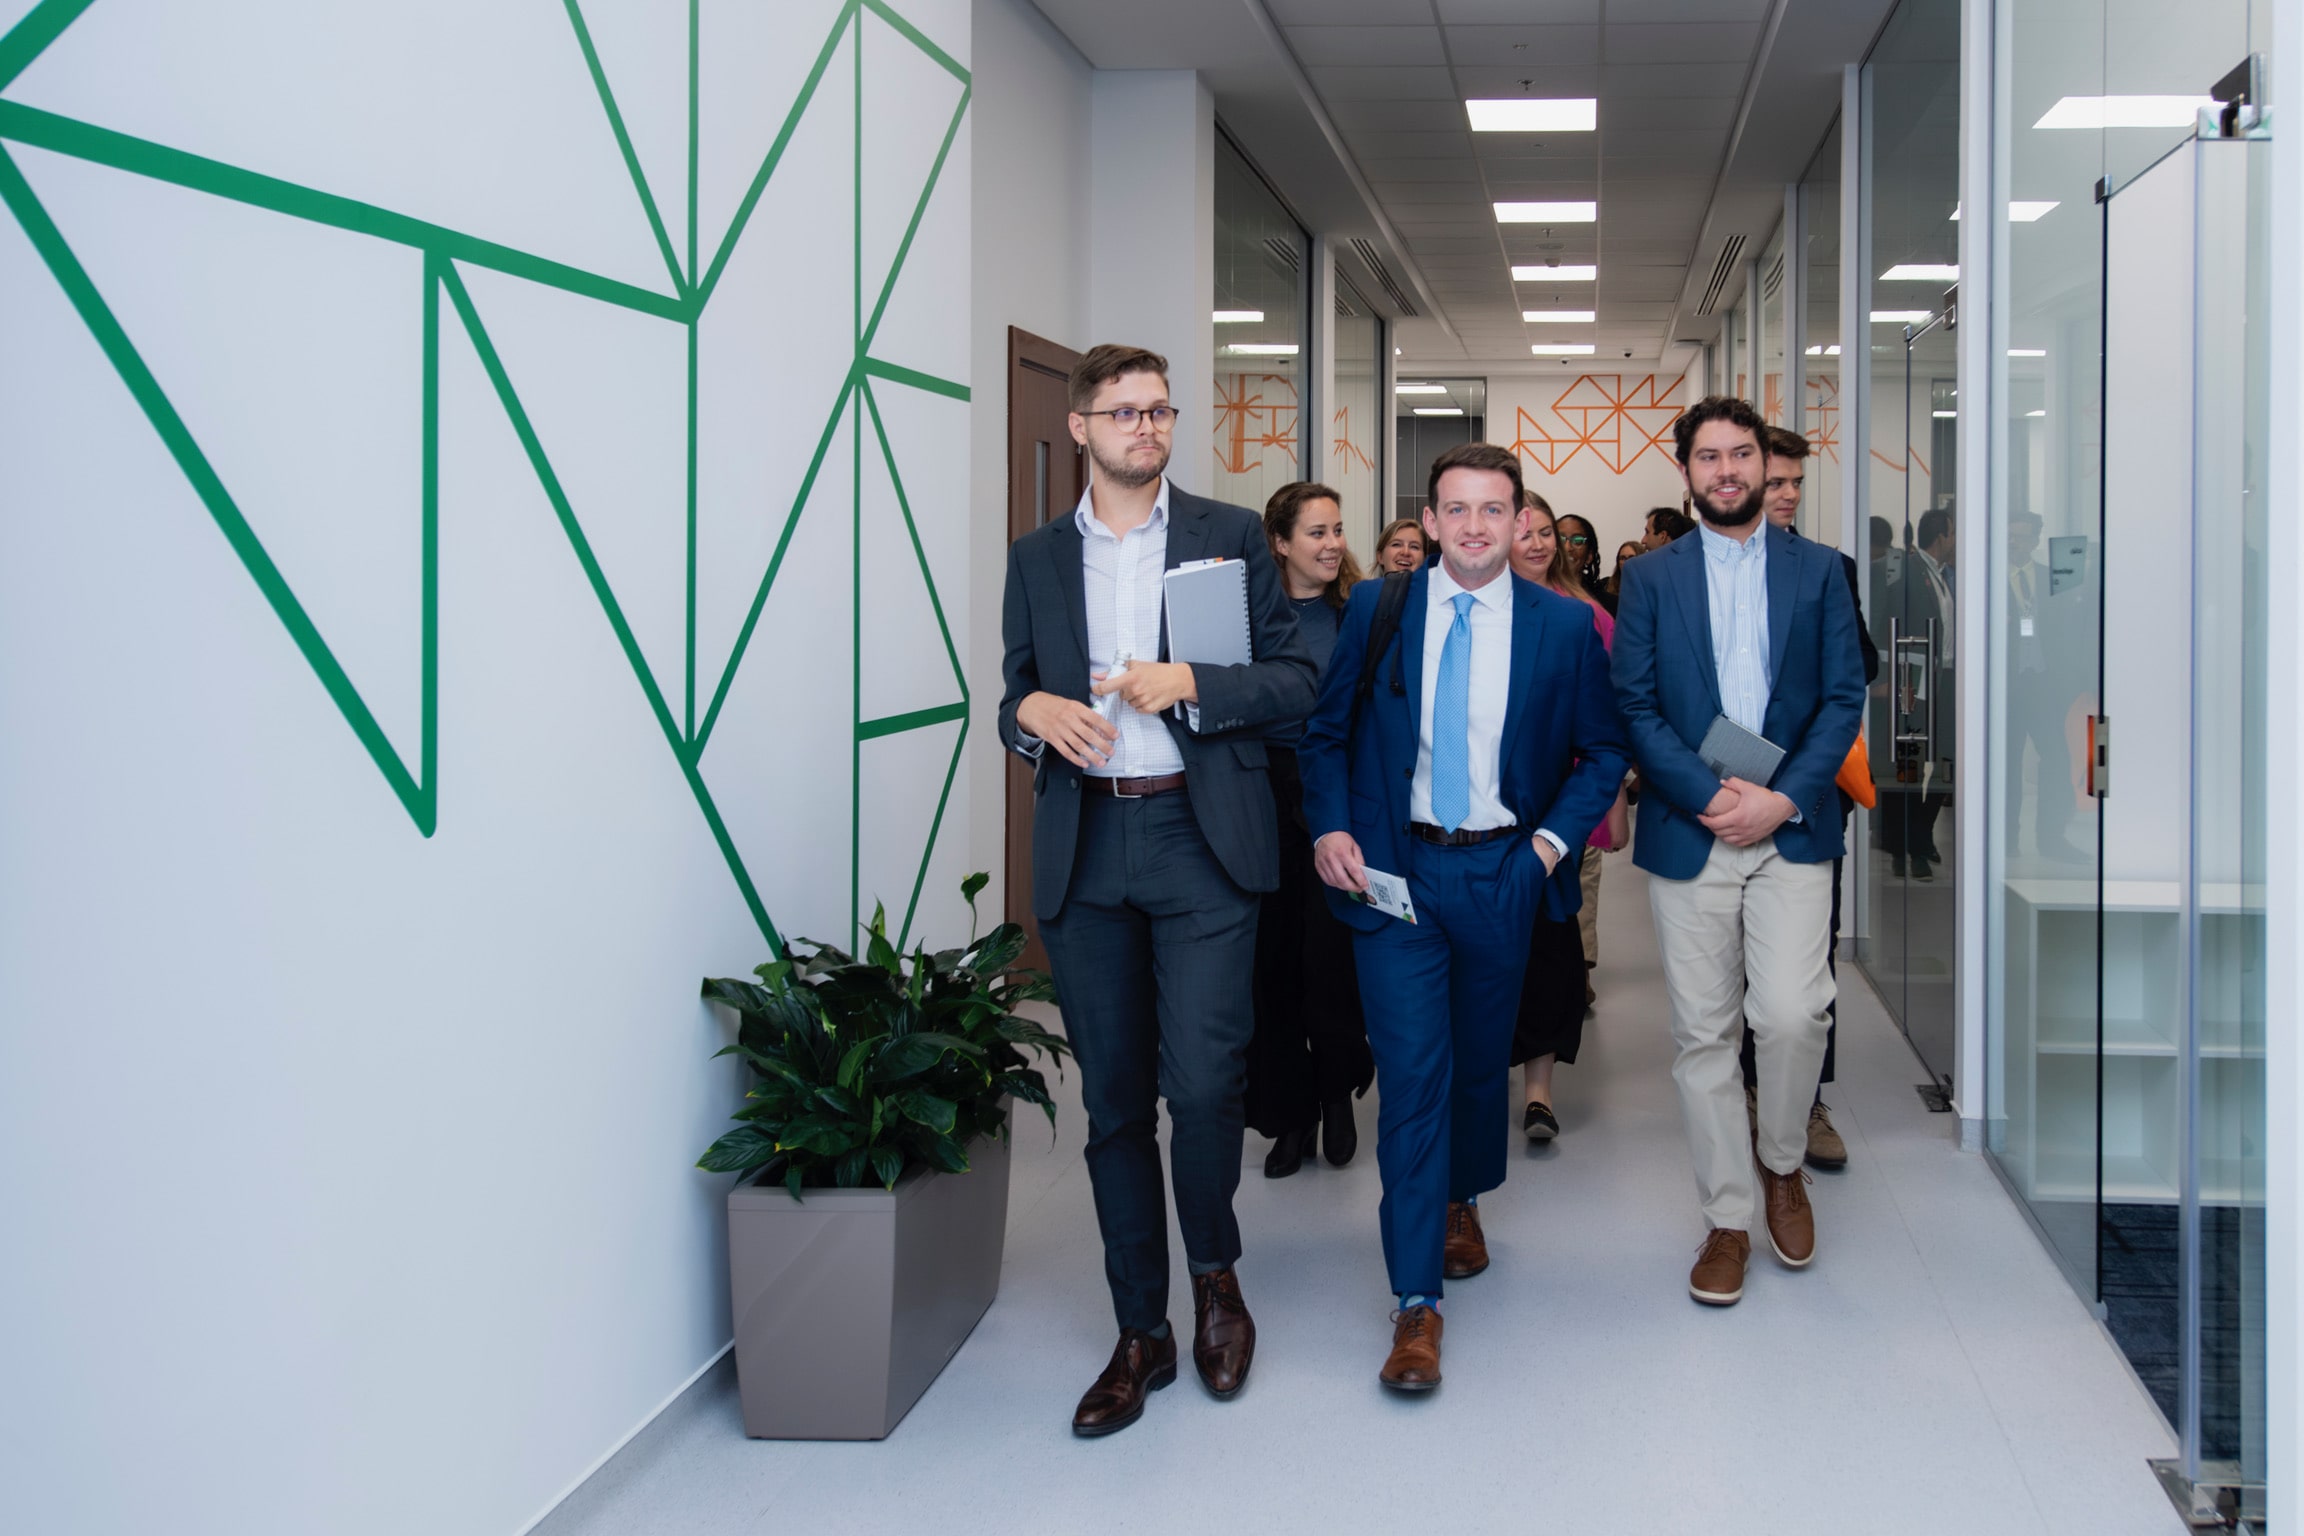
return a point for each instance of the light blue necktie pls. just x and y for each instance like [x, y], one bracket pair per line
[1451, 721]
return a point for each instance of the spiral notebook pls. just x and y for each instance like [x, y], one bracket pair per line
[1207, 605]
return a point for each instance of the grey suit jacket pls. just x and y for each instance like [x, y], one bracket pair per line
[1044, 623]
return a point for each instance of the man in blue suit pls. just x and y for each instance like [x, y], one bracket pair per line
[1488, 747]
[1742, 620]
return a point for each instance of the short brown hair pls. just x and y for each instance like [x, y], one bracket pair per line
[1784, 443]
[1106, 364]
[1483, 456]
[1727, 408]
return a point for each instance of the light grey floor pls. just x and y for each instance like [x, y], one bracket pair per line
[1931, 1373]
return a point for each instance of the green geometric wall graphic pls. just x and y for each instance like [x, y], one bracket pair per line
[694, 259]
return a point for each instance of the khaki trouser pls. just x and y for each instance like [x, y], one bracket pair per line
[1746, 937]
[1588, 920]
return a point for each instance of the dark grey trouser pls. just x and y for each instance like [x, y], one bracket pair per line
[1154, 956]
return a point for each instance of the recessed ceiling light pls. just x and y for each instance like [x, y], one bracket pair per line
[1419, 389]
[2123, 112]
[1920, 272]
[2035, 413]
[1899, 316]
[1521, 114]
[1945, 415]
[1555, 274]
[2027, 351]
[1237, 316]
[1262, 348]
[1830, 351]
[1562, 349]
[1560, 316]
[1439, 410]
[2018, 212]
[1547, 213]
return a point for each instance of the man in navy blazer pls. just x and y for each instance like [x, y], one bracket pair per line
[1487, 750]
[1748, 622]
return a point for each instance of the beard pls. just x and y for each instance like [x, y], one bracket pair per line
[1734, 515]
[1124, 474]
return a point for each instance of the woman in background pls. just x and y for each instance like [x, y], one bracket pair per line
[1554, 992]
[1309, 1054]
[1612, 590]
[1401, 547]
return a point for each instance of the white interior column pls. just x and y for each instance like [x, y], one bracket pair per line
[1152, 235]
[1320, 371]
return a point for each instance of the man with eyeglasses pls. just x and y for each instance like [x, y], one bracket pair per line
[1152, 834]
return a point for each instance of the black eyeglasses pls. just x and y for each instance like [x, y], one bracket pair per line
[1124, 417]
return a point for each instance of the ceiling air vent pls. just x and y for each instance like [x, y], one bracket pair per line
[1775, 278]
[1283, 252]
[1344, 309]
[1720, 273]
[1383, 276]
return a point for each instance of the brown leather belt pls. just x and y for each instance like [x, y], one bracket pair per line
[1432, 834]
[1134, 789]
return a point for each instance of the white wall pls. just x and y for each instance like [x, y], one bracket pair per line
[1032, 269]
[1584, 444]
[350, 1083]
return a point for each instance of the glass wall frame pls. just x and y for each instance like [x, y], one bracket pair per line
[1262, 319]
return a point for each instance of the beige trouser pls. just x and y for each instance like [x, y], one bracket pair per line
[1588, 920]
[1746, 937]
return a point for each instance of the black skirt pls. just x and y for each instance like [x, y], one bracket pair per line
[1551, 1021]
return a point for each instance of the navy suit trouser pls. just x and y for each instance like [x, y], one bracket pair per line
[1154, 955]
[1441, 996]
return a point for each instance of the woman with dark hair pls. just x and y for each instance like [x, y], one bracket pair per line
[1579, 552]
[1554, 992]
[1612, 590]
[1402, 547]
[1309, 1054]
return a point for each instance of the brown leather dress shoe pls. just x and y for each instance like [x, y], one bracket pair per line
[1223, 1334]
[1791, 1223]
[1141, 1365]
[1465, 1252]
[1414, 1364]
[1718, 1278]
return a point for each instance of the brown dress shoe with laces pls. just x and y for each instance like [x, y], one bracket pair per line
[1465, 1252]
[1826, 1149]
[1718, 1278]
[1414, 1364]
[1141, 1365]
[1223, 1334]
[1791, 1223]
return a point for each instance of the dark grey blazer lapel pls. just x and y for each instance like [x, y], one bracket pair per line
[1068, 563]
[1187, 540]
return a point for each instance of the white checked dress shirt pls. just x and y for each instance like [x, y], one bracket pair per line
[1736, 583]
[1125, 577]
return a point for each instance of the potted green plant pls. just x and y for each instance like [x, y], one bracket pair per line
[864, 1237]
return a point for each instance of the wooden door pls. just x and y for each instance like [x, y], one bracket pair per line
[1046, 474]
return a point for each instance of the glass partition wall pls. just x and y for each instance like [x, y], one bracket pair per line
[1434, 415]
[1357, 420]
[2125, 1075]
[1910, 905]
[1261, 315]
[1819, 297]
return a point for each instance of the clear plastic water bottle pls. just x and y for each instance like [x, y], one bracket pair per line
[1109, 705]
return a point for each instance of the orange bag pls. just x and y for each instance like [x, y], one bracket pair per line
[1855, 775]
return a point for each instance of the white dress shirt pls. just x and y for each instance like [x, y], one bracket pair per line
[1490, 693]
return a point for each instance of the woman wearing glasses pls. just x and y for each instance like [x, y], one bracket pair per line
[1554, 992]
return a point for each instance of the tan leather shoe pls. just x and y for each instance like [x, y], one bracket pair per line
[1718, 1278]
[1465, 1253]
[1791, 1224]
[1414, 1364]
[1825, 1148]
[1223, 1334]
[1141, 1365]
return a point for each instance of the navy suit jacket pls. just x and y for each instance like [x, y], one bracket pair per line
[1669, 690]
[1563, 754]
[1044, 622]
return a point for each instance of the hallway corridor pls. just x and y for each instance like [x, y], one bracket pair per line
[1931, 1373]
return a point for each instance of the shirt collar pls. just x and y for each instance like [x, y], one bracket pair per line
[1084, 515]
[1497, 594]
[1721, 548]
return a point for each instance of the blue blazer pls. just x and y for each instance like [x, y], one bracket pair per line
[1669, 691]
[1563, 754]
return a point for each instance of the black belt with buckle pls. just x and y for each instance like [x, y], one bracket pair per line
[1134, 789]
[1465, 839]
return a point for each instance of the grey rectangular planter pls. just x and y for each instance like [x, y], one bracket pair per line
[849, 1302]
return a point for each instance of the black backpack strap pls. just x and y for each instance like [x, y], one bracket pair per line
[1391, 602]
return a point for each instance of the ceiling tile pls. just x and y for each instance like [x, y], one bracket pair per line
[1553, 189]
[1316, 46]
[1671, 82]
[1718, 44]
[1687, 10]
[1350, 12]
[1540, 46]
[1370, 144]
[1430, 169]
[1645, 112]
[1485, 76]
[1532, 12]
[1664, 143]
[1407, 83]
[1430, 193]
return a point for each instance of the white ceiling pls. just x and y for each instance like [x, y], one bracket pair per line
[1354, 108]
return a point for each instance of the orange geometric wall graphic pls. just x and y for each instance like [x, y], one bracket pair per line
[1824, 417]
[1613, 419]
[1254, 412]
[1348, 456]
